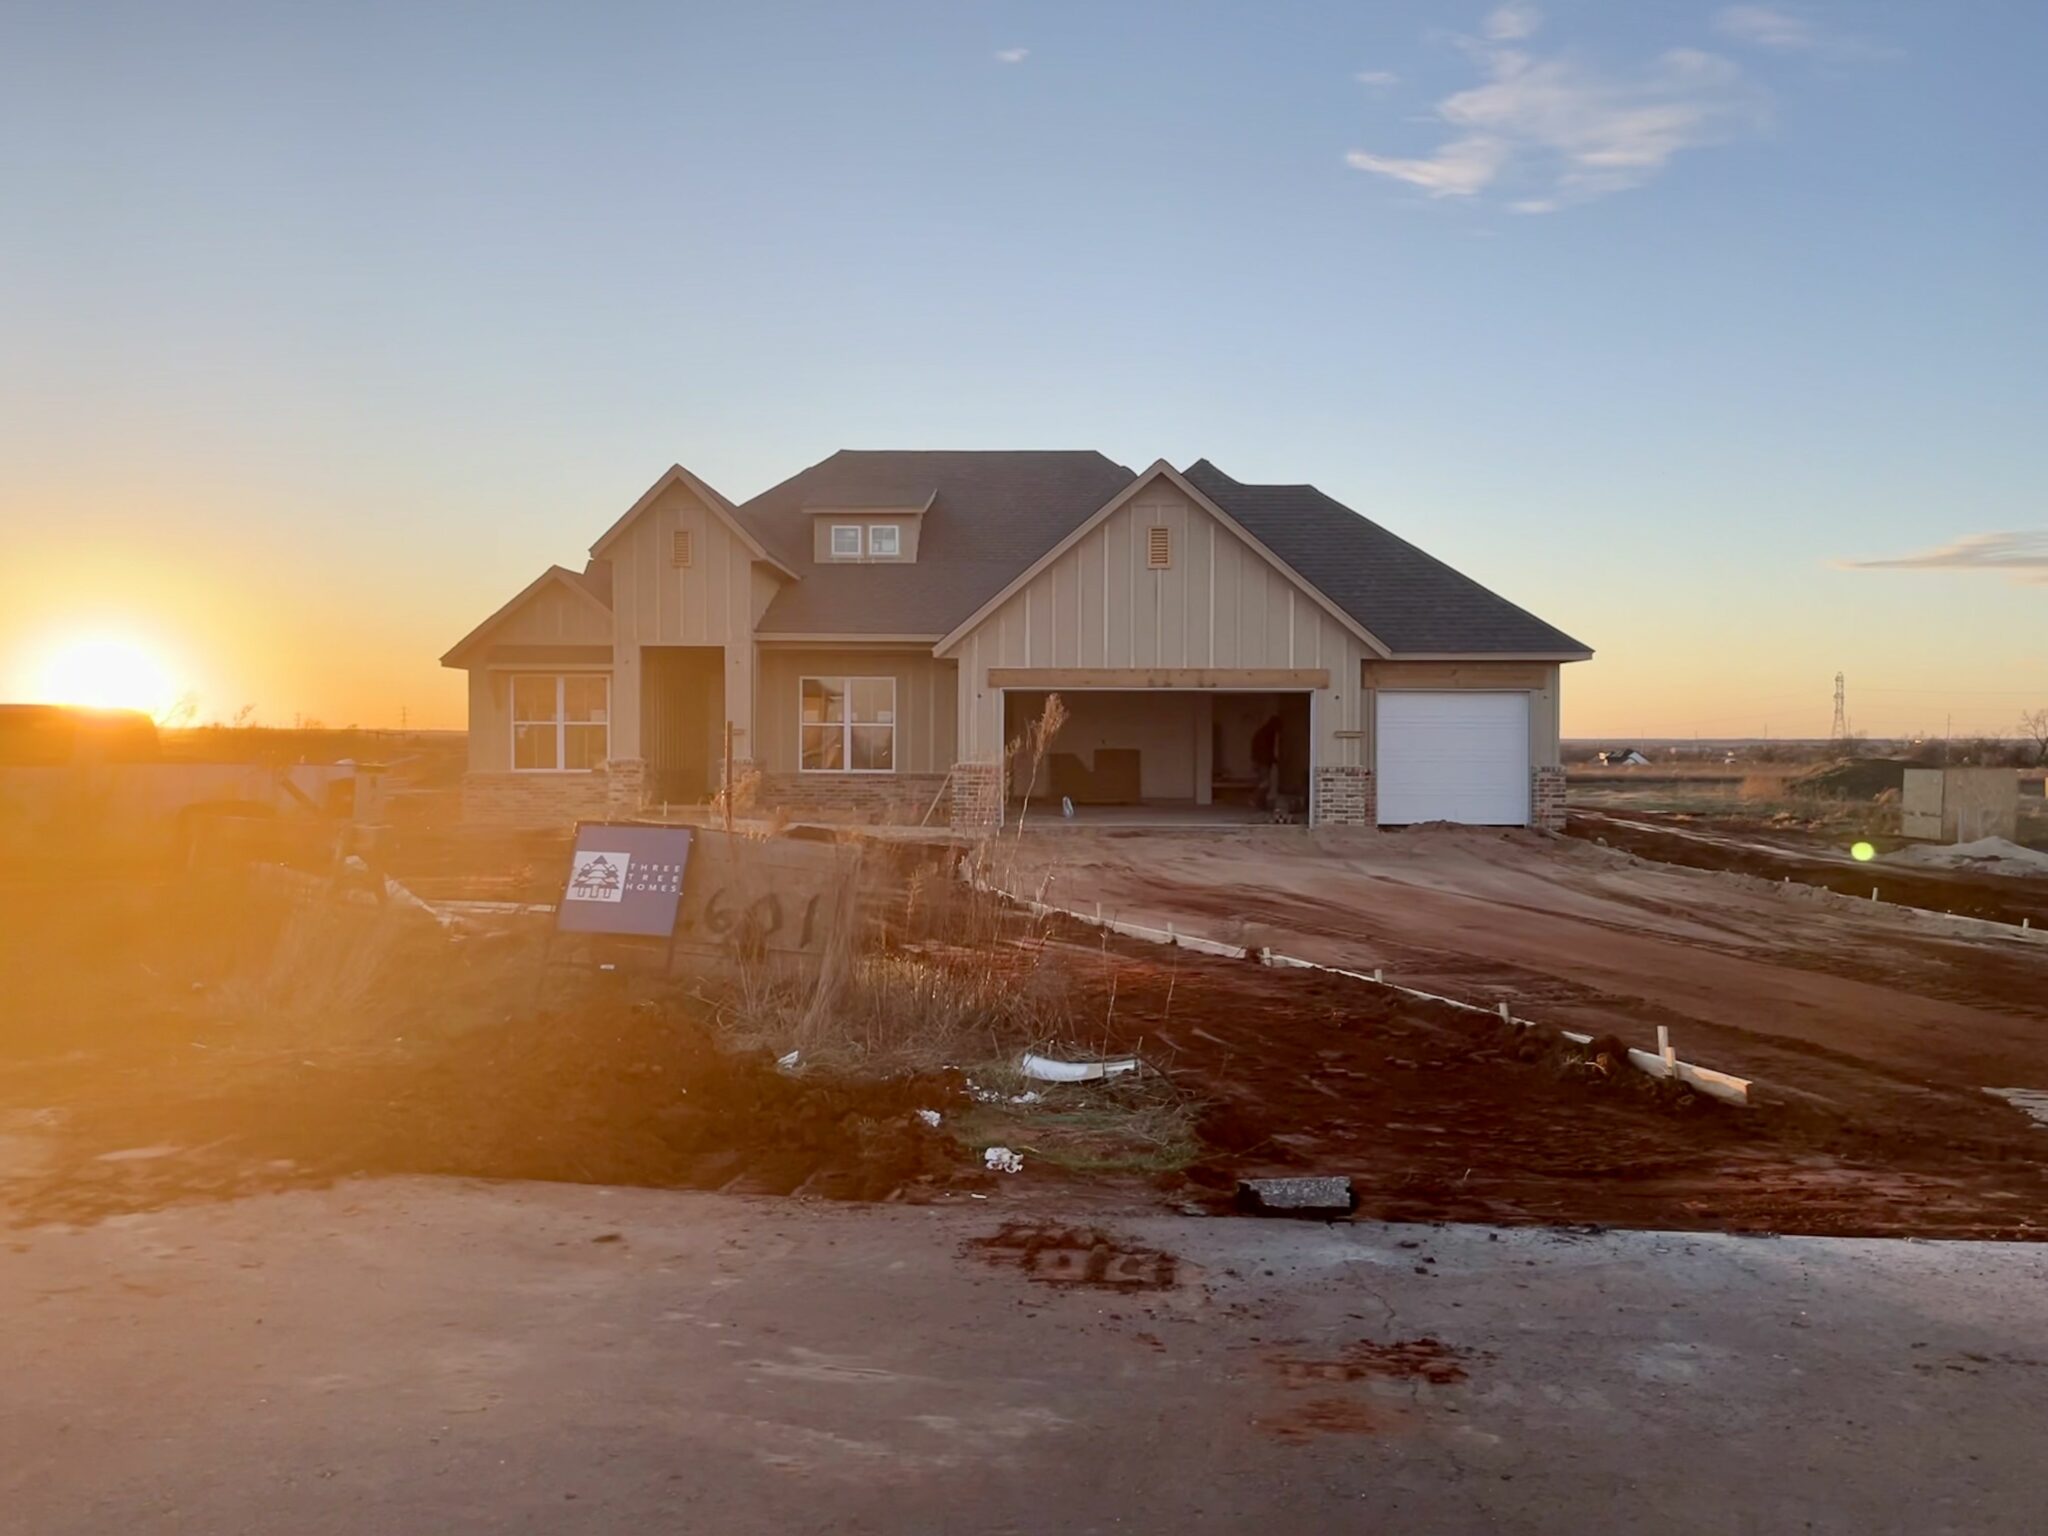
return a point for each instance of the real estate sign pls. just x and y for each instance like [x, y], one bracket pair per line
[624, 879]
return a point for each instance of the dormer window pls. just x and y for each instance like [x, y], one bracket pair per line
[885, 541]
[846, 541]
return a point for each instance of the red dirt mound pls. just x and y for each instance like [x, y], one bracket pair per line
[607, 1094]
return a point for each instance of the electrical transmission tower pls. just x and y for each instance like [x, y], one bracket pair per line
[1839, 731]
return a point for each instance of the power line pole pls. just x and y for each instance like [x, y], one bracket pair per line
[1840, 729]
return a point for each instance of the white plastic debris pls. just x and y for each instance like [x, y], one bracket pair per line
[1046, 1070]
[930, 1117]
[2032, 1102]
[1028, 1096]
[1003, 1160]
[788, 1063]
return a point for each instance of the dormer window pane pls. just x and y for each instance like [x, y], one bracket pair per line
[846, 541]
[883, 541]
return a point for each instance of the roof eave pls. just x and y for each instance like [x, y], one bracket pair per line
[1578, 655]
[552, 573]
[721, 507]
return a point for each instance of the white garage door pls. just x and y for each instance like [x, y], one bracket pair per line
[1453, 757]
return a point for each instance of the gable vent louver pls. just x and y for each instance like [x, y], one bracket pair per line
[1158, 548]
[682, 554]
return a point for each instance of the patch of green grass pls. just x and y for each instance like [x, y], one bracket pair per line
[1122, 1125]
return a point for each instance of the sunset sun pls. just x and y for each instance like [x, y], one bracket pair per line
[106, 671]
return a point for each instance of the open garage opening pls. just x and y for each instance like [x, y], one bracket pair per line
[1164, 756]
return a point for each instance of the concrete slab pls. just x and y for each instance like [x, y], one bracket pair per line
[425, 1356]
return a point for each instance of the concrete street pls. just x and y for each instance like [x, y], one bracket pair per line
[428, 1356]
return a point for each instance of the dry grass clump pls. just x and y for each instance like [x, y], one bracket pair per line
[303, 964]
[908, 1009]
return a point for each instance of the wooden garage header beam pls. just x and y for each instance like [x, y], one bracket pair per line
[1262, 678]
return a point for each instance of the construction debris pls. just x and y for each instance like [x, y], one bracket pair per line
[1047, 1070]
[1330, 1195]
[1003, 1160]
[2031, 1102]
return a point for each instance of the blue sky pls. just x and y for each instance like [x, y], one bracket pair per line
[327, 329]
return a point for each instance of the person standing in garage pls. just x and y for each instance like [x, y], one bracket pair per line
[1266, 759]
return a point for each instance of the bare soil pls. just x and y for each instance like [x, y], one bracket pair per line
[1444, 1115]
[1751, 846]
[605, 1092]
[151, 1051]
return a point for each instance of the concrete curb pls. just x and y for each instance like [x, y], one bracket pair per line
[1720, 1085]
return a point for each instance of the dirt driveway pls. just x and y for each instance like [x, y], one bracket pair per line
[1809, 992]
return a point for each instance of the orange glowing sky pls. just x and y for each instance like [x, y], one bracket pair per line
[326, 329]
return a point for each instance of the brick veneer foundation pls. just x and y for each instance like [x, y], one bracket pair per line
[1344, 797]
[977, 797]
[1547, 800]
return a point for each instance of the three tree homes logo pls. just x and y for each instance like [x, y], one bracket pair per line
[599, 876]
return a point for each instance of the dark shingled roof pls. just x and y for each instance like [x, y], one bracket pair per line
[1411, 601]
[991, 514]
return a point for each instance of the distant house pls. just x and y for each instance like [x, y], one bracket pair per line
[1624, 757]
[872, 633]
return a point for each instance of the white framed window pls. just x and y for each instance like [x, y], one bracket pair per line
[561, 721]
[884, 541]
[848, 724]
[846, 541]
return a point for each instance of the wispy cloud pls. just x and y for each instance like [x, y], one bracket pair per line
[1376, 77]
[1763, 26]
[1561, 131]
[1458, 169]
[1766, 28]
[1012, 55]
[2024, 554]
[1512, 22]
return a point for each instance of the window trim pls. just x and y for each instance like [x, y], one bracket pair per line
[895, 532]
[832, 541]
[561, 721]
[846, 682]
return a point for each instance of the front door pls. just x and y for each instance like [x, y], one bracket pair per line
[682, 720]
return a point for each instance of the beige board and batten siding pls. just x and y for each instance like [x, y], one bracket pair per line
[554, 630]
[1219, 606]
[714, 600]
[1539, 679]
[927, 695]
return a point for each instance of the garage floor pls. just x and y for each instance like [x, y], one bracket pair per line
[1156, 816]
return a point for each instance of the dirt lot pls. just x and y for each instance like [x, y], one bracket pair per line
[179, 1041]
[1818, 856]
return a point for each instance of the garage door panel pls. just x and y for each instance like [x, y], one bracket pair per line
[1452, 757]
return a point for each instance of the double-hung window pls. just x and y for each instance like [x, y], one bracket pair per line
[848, 724]
[846, 541]
[885, 541]
[561, 721]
